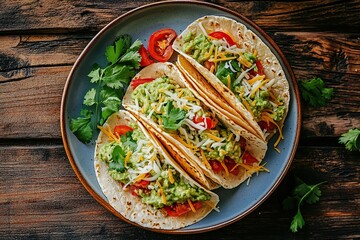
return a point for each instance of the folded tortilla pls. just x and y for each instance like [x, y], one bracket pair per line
[185, 139]
[207, 81]
[120, 196]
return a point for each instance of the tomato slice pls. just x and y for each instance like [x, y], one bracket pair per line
[248, 159]
[260, 69]
[210, 124]
[268, 126]
[222, 35]
[142, 184]
[122, 129]
[230, 164]
[145, 59]
[136, 82]
[216, 166]
[179, 209]
[160, 44]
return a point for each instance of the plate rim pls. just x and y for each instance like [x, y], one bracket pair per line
[104, 203]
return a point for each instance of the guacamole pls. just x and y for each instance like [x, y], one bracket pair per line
[176, 111]
[239, 70]
[134, 161]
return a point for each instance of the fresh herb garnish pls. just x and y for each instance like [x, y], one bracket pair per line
[118, 159]
[111, 81]
[314, 92]
[128, 141]
[174, 117]
[302, 192]
[351, 139]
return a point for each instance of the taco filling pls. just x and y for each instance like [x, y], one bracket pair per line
[240, 71]
[136, 164]
[179, 113]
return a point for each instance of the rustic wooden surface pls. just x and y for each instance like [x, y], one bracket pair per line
[40, 196]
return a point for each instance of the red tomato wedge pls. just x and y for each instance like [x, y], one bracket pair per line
[222, 35]
[229, 163]
[160, 44]
[179, 209]
[122, 129]
[145, 59]
[249, 159]
[210, 124]
[268, 126]
[260, 69]
[136, 82]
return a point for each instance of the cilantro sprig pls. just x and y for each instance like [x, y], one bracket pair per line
[303, 192]
[174, 117]
[351, 139]
[109, 83]
[314, 92]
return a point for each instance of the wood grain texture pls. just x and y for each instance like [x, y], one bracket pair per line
[43, 199]
[85, 16]
[40, 196]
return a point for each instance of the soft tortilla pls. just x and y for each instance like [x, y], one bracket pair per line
[131, 206]
[255, 146]
[249, 41]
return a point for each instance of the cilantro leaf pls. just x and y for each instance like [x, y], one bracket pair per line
[314, 92]
[119, 76]
[351, 139]
[89, 98]
[113, 52]
[297, 222]
[111, 81]
[111, 103]
[128, 141]
[81, 126]
[174, 117]
[302, 192]
[95, 74]
[118, 159]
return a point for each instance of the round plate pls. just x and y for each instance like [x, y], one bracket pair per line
[139, 24]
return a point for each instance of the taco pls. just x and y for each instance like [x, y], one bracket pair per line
[237, 64]
[142, 181]
[209, 142]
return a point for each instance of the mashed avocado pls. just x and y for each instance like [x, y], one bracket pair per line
[177, 192]
[197, 46]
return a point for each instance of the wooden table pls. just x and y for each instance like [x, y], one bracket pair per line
[40, 196]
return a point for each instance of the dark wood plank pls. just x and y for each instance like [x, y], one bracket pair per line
[69, 16]
[33, 66]
[40, 197]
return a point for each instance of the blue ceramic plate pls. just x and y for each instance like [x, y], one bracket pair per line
[140, 23]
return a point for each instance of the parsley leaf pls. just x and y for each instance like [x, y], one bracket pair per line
[302, 192]
[314, 92]
[81, 126]
[118, 159]
[111, 81]
[174, 117]
[351, 139]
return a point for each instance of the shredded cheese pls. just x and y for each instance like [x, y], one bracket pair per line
[230, 136]
[163, 197]
[171, 177]
[228, 81]
[225, 168]
[246, 104]
[257, 87]
[207, 164]
[128, 155]
[191, 205]
[140, 177]
[106, 130]
[256, 78]
[215, 138]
